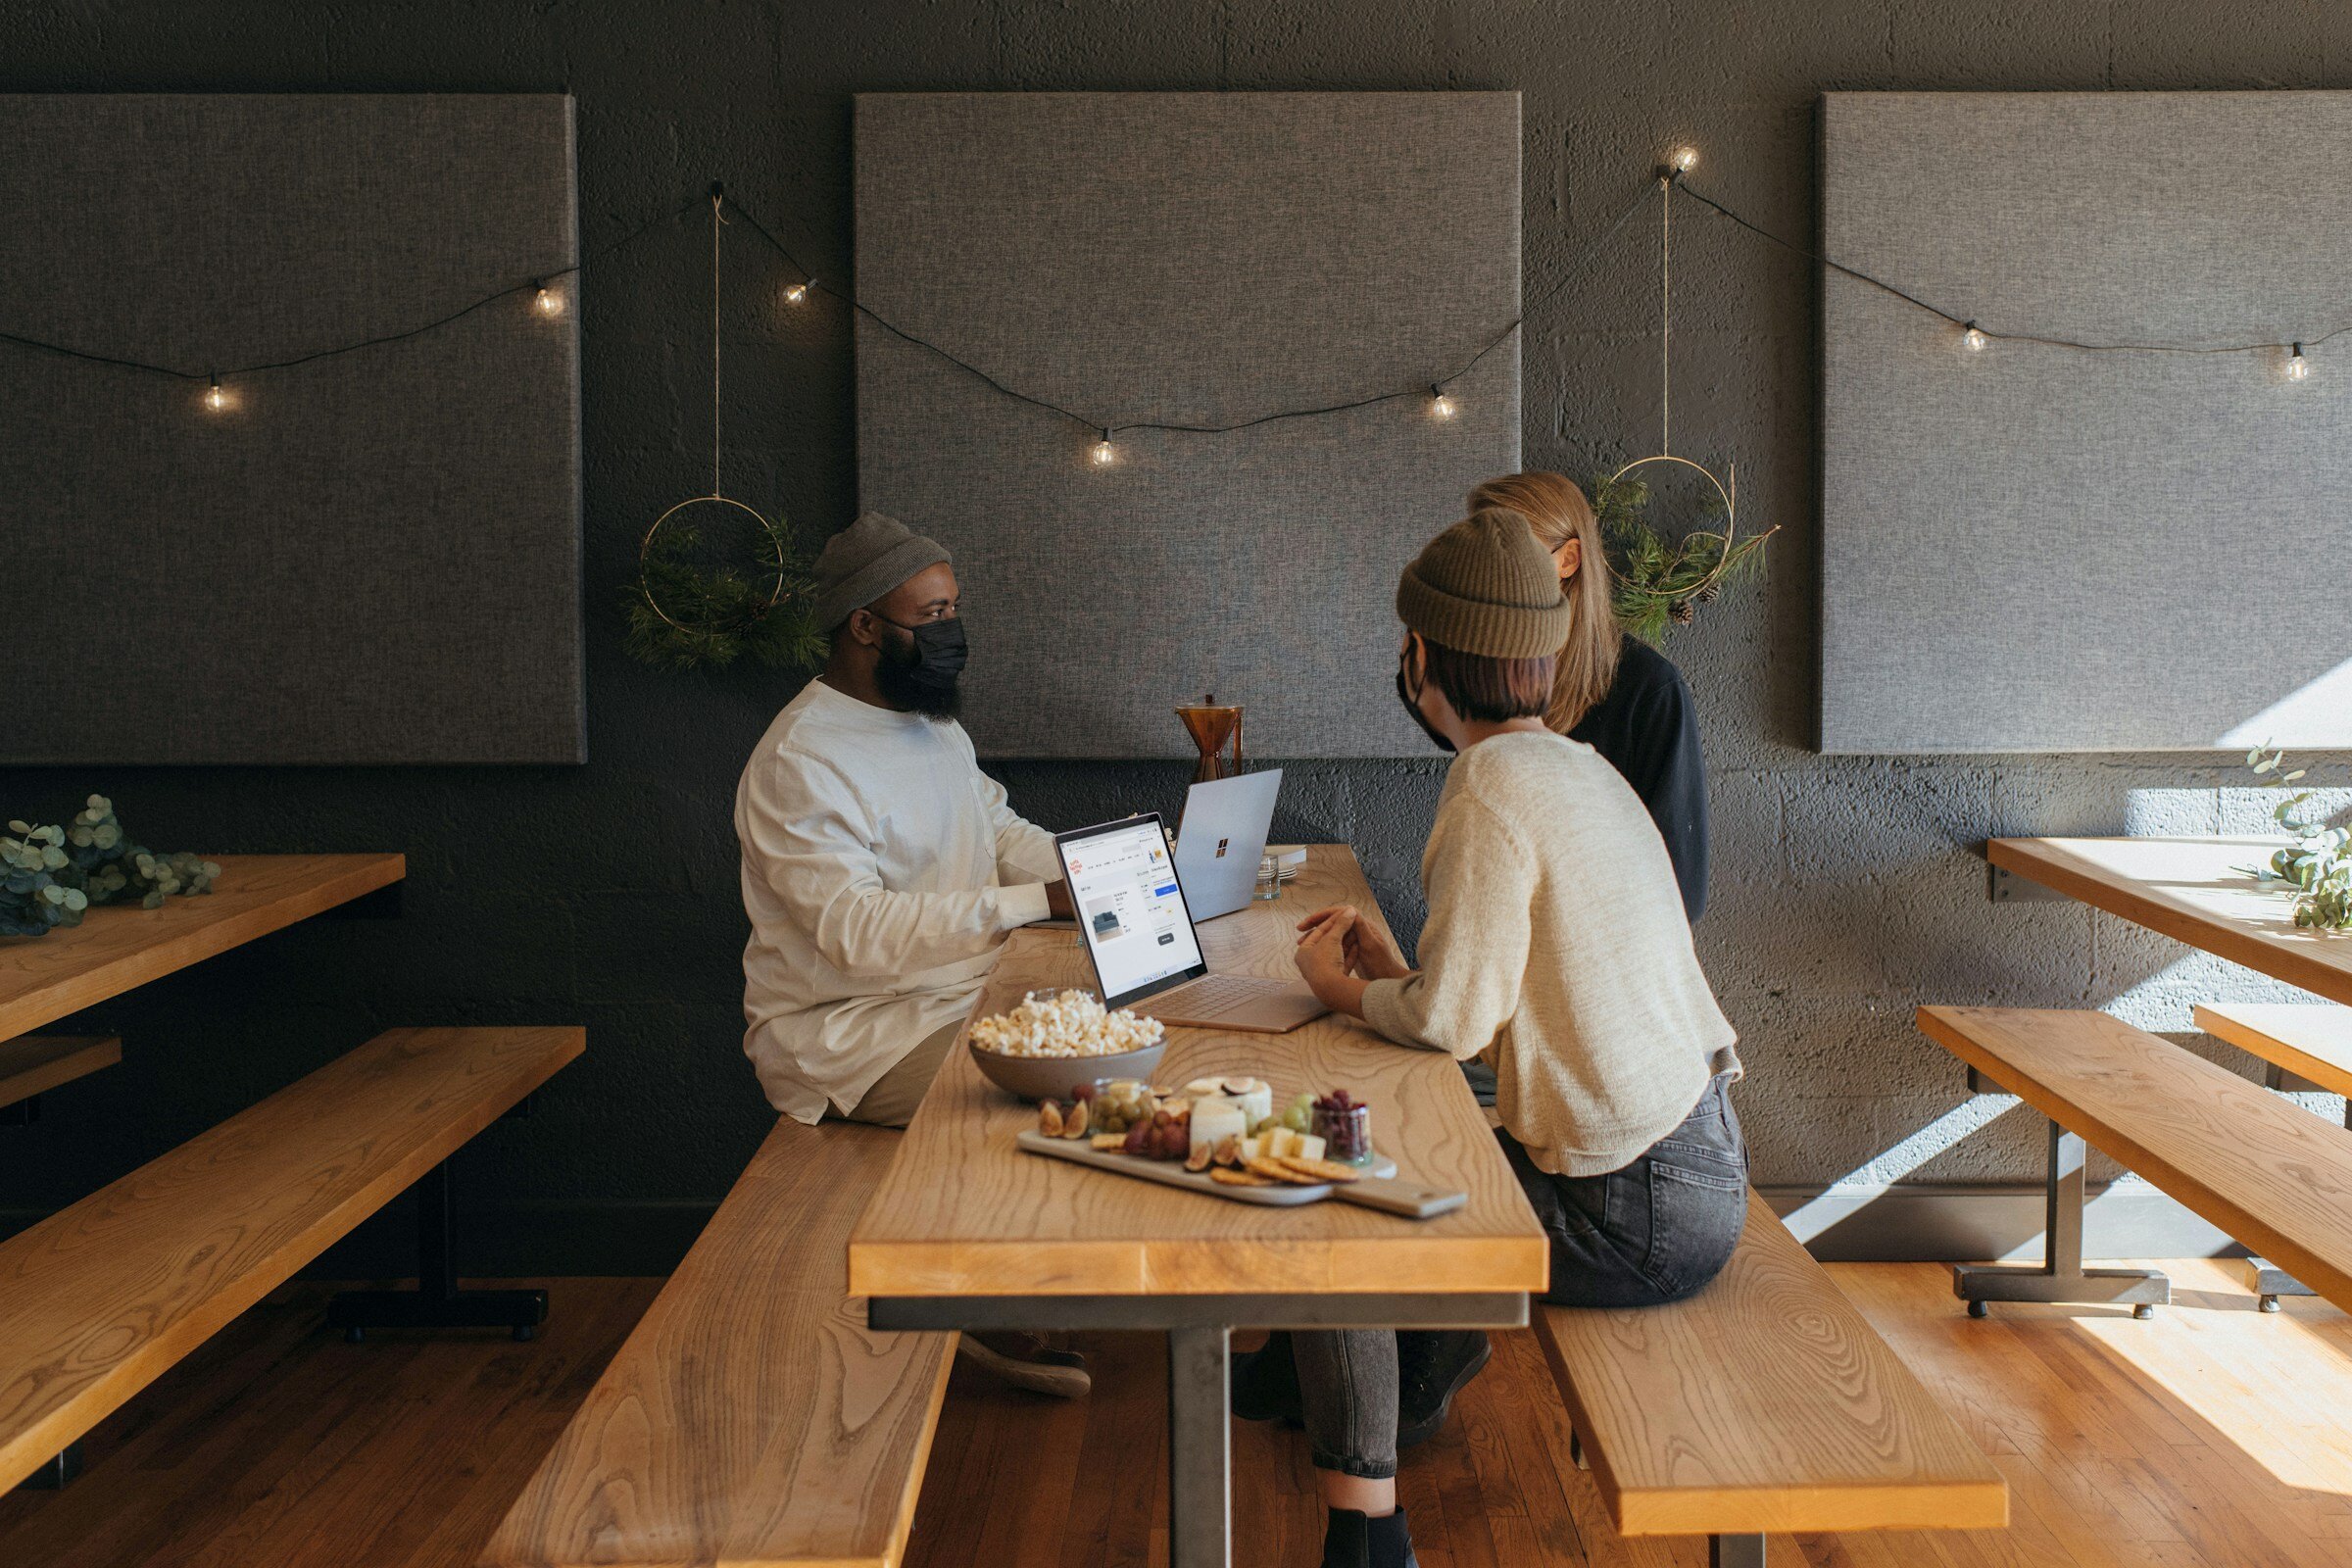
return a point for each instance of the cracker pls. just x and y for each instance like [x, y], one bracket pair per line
[1317, 1170]
[1230, 1177]
[1274, 1170]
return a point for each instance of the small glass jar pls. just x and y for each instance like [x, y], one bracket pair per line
[1346, 1132]
[1269, 881]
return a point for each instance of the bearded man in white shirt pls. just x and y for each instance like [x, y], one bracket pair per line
[881, 868]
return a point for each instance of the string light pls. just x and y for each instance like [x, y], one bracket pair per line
[1683, 160]
[550, 302]
[1440, 404]
[216, 398]
[1103, 452]
[1973, 338]
[2297, 367]
[798, 292]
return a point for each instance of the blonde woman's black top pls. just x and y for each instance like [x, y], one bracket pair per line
[1647, 729]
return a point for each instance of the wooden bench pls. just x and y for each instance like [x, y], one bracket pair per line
[2261, 1169]
[2309, 1042]
[99, 1299]
[752, 1417]
[1765, 1402]
[36, 1063]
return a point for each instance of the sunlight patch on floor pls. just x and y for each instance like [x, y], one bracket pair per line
[2276, 1385]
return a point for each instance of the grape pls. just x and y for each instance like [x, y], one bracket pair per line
[1294, 1119]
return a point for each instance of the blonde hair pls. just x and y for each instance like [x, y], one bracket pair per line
[1558, 511]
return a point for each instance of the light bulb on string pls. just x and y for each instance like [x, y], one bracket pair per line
[2297, 367]
[1439, 405]
[549, 302]
[1973, 338]
[798, 292]
[1103, 452]
[216, 397]
[1683, 159]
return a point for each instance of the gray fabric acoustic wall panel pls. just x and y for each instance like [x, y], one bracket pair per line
[369, 558]
[2037, 549]
[1195, 259]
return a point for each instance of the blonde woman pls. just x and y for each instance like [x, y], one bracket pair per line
[1611, 690]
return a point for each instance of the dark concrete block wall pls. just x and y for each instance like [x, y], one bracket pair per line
[1845, 889]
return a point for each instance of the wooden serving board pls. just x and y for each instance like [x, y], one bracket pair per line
[1373, 1190]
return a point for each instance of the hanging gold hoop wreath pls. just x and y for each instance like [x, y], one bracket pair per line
[731, 611]
[1662, 582]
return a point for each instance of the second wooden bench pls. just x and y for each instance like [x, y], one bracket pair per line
[1764, 1403]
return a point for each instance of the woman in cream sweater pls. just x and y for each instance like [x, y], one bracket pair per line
[1555, 949]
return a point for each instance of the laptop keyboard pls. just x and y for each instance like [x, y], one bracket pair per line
[1213, 995]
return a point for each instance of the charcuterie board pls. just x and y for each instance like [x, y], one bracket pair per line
[1375, 1189]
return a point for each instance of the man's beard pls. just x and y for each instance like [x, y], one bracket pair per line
[895, 675]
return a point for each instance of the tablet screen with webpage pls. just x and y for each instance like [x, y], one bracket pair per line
[1129, 907]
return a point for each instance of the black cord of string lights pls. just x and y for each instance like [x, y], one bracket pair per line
[1976, 325]
[812, 283]
[536, 284]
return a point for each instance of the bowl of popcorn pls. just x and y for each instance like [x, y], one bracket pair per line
[1055, 1041]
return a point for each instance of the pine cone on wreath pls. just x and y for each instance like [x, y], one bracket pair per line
[1682, 611]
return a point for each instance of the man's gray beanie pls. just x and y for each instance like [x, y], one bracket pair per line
[865, 560]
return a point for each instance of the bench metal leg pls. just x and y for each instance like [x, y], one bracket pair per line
[2061, 1277]
[56, 1470]
[2267, 1280]
[436, 1302]
[1200, 1449]
[1735, 1551]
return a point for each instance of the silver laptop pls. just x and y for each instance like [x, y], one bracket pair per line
[1223, 839]
[1138, 933]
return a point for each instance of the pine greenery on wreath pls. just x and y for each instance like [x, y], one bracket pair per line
[685, 614]
[1659, 583]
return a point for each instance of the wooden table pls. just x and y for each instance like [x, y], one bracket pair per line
[2193, 891]
[122, 945]
[966, 1232]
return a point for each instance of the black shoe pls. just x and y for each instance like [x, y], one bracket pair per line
[1350, 1539]
[1265, 1383]
[1431, 1369]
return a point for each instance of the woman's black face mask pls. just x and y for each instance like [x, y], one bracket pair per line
[1411, 699]
[922, 676]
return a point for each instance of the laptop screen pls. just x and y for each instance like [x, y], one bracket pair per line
[1129, 907]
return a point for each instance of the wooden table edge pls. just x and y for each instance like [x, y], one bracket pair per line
[1502, 1266]
[370, 872]
[2029, 857]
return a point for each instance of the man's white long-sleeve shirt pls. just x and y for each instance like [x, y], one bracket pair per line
[881, 871]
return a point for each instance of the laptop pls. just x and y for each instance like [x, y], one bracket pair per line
[1223, 839]
[1138, 933]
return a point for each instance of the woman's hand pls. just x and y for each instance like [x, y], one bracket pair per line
[1324, 960]
[1370, 952]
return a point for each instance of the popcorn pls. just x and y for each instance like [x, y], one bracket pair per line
[1069, 1023]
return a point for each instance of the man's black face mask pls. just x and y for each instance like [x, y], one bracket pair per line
[920, 674]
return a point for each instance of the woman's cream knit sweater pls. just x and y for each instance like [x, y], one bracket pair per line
[1557, 947]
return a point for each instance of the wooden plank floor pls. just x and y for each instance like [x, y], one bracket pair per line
[2213, 1437]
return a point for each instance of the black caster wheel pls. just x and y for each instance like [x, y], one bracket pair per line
[2144, 1311]
[2268, 1304]
[1980, 1308]
[355, 1334]
[525, 1332]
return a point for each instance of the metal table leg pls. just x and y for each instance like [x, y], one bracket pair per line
[1199, 1449]
[2061, 1277]
[1735, 1551]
